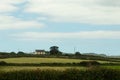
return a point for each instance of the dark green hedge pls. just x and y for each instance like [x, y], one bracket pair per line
[70, 74]
[84, 63]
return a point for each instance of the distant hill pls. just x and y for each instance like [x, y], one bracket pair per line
[114, 56]
[95, 54]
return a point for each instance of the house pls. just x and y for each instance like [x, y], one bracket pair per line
[40, 52]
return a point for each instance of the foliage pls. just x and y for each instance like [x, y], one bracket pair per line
[20, 53]
[54, 50]
[89, 63]
[2, 63]
[77, 53]
[69, 74]
[12, 53]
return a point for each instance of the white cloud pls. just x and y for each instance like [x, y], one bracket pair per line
[9, 5]
[10, 22]
[73, 35]
[82, 11]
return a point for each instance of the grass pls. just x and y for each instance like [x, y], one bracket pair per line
[39, 60]
[112, 67]
[18, 68]
[44, 60]
[102, 72]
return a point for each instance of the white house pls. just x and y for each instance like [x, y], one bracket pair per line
[40, 52]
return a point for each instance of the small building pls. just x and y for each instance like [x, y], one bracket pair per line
[40, 52]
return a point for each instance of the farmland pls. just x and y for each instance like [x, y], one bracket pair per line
[44, 60]
[18, 68]
[25, 60]
[39, 60]
[28, 60]
[27, 66]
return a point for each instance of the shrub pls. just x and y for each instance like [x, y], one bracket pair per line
[3, 63]
[89, 63]
[69, 74]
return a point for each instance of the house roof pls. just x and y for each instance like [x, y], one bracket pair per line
[39, 50]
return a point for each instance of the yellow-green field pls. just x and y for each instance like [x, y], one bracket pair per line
[43, 60]
[112, 67]
[46, 72]
[17, 68]
[39, 60]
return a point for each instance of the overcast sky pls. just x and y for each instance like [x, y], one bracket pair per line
[86, 25]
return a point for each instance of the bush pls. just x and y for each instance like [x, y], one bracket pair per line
[3, 63]
[69, 74]
[89, 63]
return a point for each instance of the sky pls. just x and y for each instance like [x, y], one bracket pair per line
[87, 26]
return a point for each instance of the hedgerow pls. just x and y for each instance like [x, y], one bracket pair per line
[69, 74]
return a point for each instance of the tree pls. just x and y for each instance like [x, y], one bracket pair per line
[20, 53]
[77, 53]
[13, 53]
[54, 50]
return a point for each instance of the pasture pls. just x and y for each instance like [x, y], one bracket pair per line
[18, 68]
[29, 60]
[44, 60]
[27, 72]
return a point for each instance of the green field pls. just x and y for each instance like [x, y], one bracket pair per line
[44, 60]
[39, 60]
[112, 67]
[45, 72]
[18, 68]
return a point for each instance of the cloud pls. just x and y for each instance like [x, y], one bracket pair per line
[9, 5]
[73, 35]
[10, 22]
[109, 3]
[100, 12]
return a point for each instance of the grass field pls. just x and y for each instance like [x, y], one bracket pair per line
[18, 68]
[39, 60]
[44, 60]
[99, 72]
[112, 67]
